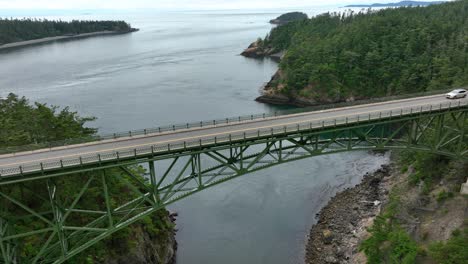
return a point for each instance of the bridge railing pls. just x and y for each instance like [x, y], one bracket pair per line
[228, 138]
[204, 124]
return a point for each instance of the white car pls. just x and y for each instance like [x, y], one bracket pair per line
[458, 93]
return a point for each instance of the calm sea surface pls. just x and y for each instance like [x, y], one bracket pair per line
[181, 67]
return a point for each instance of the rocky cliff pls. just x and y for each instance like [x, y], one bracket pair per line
[258, 50]
[146, 246]
[276, 92]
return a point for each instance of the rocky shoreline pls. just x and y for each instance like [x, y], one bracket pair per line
[28, 43]
[256, 50]
[270, 94]
[343, 222]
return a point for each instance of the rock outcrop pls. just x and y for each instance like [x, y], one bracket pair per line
[275, 92]
[257, 50]
[272, 93]
[147, 247]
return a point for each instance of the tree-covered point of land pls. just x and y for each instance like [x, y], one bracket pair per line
[24, 123]
[375, 53]
[15, 30]
[289, 17]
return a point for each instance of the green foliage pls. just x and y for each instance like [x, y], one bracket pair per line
[389, 243]
[376, 53]
[23, 123]
[454, 251]
[429, 168]
[404, 168]
[14, 30]
[444, 195]
[289, 17]
[414, 178]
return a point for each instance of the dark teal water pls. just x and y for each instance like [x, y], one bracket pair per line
[184, 66]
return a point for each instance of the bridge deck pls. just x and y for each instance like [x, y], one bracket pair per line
[35, 158]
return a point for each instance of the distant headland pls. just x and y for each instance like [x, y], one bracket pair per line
[289, 17]
[401, 3]
[28, 32]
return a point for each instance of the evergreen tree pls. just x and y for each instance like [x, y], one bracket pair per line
[375, 53]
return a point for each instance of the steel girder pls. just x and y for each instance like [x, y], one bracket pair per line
[7, 248]
[65, 225]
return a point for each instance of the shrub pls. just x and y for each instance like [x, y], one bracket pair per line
[389, 243]
[444, 195]
[454, 251]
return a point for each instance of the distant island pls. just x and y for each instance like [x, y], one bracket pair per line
[289, 17]
[401, 3]
[16, 33]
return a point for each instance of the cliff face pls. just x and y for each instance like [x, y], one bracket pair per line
[289, 17]
[257, 50]
[148, 249]
[145, 246]
[275, 92]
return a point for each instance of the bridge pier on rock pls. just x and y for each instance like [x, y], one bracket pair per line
[115, 189]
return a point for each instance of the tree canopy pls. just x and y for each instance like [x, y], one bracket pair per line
[375, 53]
[23, 123]
[289, 17]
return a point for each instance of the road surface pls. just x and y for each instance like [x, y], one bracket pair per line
[179, 136]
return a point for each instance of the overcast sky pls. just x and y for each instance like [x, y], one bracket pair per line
[172, 4]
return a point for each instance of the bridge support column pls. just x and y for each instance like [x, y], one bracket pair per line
[7, 247]
[58, 216]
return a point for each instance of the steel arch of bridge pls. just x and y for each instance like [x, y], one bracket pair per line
[177, 174]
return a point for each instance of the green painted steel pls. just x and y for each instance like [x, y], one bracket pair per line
[207, 123]
[66, 227]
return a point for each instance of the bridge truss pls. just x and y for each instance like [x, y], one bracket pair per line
[67, 222]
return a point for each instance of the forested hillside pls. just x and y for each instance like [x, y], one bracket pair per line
[14, 30]
[334, 57]
[24, 123]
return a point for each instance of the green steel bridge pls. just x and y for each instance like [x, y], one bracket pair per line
[182, 160]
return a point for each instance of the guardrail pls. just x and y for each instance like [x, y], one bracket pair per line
[228, 138]
[201, 124]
